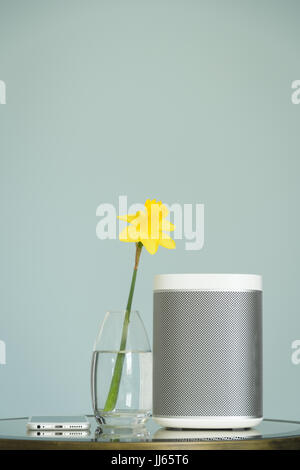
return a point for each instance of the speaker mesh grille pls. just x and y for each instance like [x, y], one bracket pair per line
[207, 353]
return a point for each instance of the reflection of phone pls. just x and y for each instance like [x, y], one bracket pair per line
[59, 434]
[58, 423]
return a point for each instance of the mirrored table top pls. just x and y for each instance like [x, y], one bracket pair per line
[270, 433]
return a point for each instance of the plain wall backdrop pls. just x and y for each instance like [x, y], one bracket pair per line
[183, 101]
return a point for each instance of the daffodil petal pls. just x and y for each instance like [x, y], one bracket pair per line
[141, 218]
[167, 243]
[167, 226]
[128, 218]
[129, 234]
[150, 245]
[164, 211]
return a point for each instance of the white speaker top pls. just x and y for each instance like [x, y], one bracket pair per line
[213, 282]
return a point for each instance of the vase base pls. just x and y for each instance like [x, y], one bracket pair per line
[122, 419]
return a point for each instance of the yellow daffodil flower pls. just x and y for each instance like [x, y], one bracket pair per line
[149, 227]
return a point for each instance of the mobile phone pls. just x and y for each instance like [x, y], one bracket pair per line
[58, 423]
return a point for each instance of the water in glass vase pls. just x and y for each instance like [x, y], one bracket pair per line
[135, 392]
[121, 381]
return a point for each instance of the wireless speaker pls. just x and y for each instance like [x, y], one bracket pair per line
[207, 350]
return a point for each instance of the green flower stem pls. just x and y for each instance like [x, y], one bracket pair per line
[116, 378]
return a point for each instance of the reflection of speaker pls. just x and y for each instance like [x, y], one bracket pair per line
[191, 435]
[207, 350]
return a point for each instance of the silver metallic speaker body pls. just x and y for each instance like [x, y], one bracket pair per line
[207, 350]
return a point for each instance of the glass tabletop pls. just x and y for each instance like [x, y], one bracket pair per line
[15, 428]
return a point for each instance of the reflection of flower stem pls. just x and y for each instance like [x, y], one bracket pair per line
[116, 378]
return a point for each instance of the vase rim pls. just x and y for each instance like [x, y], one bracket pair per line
[115, 319]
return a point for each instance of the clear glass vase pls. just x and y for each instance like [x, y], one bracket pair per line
[121, 380]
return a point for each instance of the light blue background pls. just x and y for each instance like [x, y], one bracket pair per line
[183, 101]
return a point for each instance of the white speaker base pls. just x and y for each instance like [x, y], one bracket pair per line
[208, 422]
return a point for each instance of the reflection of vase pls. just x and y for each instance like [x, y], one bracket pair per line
[133, 399]
[122, 434]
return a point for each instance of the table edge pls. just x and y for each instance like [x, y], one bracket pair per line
[276, 443]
